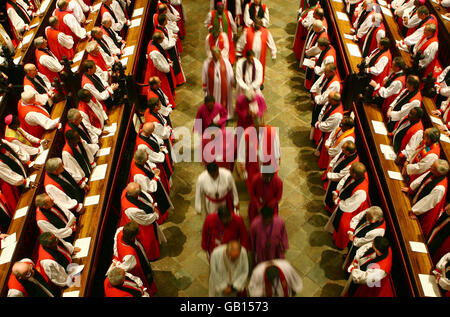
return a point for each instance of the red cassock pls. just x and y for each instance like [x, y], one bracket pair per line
[42, 69]
[214, 233]
[167, 80]
[424, 43]
[379, 78]
[301, 32]
[387, 102]
[93, 118]
[251, 155]
[55, 47]
[60, 14]
[342, 219]
[127, 289]
[160, 196]
[371, 37]
[180, 23]
[428, 219]
[349, 132]
[403, 139]
[60, 255]
[148, 235]
[263, 194]
[178, 43]
[35, 130]
[9, 196]
[386, 287]
[229, 32]
[226, 154]
[324, 158]
[139, 270]
[99, 61]
[435, 148]
[165, 167]
[249, 45]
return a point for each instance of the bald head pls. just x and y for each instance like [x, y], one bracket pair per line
[317, 25]
[22, 270]
[62, 4]
[233, 250]
[148, 128]
[31, 70]
[133, 189]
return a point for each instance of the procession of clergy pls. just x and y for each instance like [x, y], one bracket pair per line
[145, 201]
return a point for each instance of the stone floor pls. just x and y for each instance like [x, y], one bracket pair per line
[183, 269]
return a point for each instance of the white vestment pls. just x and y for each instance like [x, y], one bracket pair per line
[217, 89]
[245, 81]
[216, 189]
[429, 201]
[224, 273]
[257, 286]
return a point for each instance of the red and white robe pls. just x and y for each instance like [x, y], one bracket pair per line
[352, 199]
[428, 200]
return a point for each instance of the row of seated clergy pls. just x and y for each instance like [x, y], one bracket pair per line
[144, 202]
[23, 140]
[49, 275]
[65, 184]
[66, 180]
[70, 13]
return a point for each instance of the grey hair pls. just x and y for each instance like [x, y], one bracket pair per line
[140, 156]
[442, 167]
[115, 276]
[38, 41]
[91, 46]
[53, 164]
[72, 114]
[376, 212]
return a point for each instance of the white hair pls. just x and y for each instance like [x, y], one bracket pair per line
[27, 95]
[141, 156]
[376, 212]
[318, 24]
[442, 167]
[29, 67]
[91, 46]
[38, 41]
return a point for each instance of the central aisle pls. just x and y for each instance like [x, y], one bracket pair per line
[183, 269]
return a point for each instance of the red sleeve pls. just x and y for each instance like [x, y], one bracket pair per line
[277, 193]
[206, 234]
[243, 234]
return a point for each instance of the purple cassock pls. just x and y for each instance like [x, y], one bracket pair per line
[268, 242]
[207, 117]
[243, 113]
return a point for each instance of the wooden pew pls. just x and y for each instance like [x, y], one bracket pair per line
[21, 226]
[94, 219]
[395, 202]
[25, 53]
